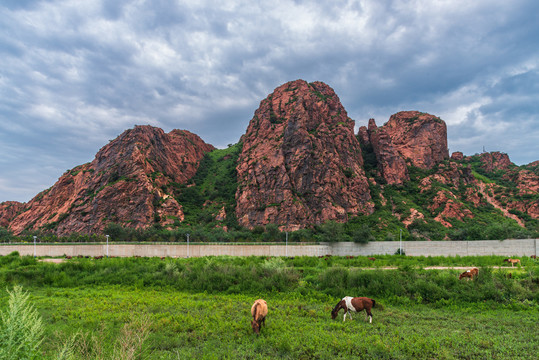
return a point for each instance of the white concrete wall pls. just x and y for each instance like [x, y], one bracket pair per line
[524, 247]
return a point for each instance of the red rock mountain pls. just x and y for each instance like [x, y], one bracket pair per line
[420, 138]
[527, 183]
[495, 161]
[409, 137]
[123, 184]
[301, 163]
[8, 211]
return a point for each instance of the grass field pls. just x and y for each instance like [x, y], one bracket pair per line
[198, 308]
[188, 326]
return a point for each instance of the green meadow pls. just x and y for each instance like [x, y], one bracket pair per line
[148, 308]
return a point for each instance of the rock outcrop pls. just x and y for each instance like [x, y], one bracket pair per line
[457, 156]
[420, 138]
[409, 137]
[9, 210]
[493, 161]
[127, 182]
[301, 163]
[391, 165]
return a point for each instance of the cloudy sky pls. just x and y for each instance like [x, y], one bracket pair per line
[74, 74]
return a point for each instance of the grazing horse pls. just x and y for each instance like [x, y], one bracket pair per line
[512, 261]
[259, 310]
[469, 274]
[354, 304]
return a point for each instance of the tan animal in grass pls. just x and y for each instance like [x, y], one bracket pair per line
[512, 261]
[469, 274]
[259, 310]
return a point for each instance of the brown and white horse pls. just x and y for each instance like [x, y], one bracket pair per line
[469, 274]
[354, 304]
[512, 261]
[259, 310]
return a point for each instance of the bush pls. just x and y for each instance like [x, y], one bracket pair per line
[363, 235]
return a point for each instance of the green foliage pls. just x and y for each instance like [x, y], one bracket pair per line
[481, 178]
[21, 328]
[215, 181]
[370, 163]
[363, 235]
[148, 308]
[5, 234]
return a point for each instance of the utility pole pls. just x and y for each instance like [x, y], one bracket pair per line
[107, 245]
[35, 237]
[286, 246]
[187, 245]
[400, 243]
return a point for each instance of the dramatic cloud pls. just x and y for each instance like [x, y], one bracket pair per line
[76, 73]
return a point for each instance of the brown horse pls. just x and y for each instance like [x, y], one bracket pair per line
[259, 310]
[469, 274]
[512, 261]
[354, 304]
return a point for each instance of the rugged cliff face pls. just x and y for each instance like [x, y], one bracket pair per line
[126, 183]
[409, 137]
[301, 163]
[8, 211]
[298, 165]
[391, 164]
[521, 185]
[420, 138]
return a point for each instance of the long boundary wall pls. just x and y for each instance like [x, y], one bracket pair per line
[524, 247]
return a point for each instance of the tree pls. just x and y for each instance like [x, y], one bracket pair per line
[363, 235]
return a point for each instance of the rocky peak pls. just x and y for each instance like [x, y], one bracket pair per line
[126, 183]
[493, 161]
[420, 138]
[301, 163]
[391, 165]
[409, 137]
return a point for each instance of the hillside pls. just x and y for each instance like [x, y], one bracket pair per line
[298, 168]
[127, 183]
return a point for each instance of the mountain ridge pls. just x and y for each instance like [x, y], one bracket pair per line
[298, 166]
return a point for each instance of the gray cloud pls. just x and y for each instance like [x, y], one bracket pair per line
[75, 74]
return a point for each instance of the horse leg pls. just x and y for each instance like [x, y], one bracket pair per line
[369, 315]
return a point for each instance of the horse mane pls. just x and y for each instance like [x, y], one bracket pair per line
[337, 307]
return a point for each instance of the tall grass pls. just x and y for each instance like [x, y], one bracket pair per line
[21, 328]
[138, 308]
[335, 276]
[22, 335]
